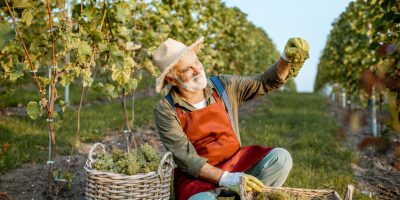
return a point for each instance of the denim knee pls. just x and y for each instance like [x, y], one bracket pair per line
[282, 158]
[209, 195]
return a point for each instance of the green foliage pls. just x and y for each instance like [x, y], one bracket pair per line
[116, 40]
[20, 3]
[353, 44]
[129, 163]
[6, 34]
[33, 110]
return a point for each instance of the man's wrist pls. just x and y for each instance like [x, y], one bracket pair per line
[284, 57]
[211, 173]
[282, 69]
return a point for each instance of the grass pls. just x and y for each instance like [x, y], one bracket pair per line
[301, 124]
[27, 139]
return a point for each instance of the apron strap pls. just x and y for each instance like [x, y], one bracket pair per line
[169, 98]
[222, 93]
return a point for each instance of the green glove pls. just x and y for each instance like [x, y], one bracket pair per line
[232, 181]
[296, 52]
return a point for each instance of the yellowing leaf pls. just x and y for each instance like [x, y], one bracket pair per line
[121, 74]
[27, 17]
[86, 77]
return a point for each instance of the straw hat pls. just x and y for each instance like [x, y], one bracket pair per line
[168, 54]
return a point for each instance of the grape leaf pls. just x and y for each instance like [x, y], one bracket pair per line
[121, 74]
[27, 17]
[6, 34]
[33, 109]
[122, 12]
[110, 90]
[15, 75]
[84, 48]
[21, 3]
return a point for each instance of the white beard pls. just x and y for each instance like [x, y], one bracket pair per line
[196, 83]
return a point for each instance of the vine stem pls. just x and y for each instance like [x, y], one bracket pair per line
[78, 126]
[52, 101]
[129, 135]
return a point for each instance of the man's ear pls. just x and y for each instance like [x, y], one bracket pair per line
[171, 81]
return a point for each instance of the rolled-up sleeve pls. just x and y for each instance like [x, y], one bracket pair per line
[175, 140]
[245, 88]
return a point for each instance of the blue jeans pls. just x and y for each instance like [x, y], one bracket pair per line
[272, 170]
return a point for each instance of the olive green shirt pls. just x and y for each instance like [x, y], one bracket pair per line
[239, 89]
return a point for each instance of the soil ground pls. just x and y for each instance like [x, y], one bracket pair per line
[375, 168]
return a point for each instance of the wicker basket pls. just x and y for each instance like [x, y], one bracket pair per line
[107, 185]
[296, 192]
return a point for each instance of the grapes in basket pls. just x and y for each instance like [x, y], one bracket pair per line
[144, 160]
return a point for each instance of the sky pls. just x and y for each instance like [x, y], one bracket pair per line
[283, 19]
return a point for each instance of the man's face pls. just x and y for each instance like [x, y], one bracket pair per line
[189, 73]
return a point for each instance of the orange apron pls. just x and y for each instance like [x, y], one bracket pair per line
[210, 131]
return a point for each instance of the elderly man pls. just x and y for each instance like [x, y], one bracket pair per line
[198, 122]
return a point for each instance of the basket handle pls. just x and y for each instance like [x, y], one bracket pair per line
[166, 165]
[243, 194]
[97, 146]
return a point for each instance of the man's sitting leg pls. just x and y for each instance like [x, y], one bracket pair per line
[209, 195]
[274, 168]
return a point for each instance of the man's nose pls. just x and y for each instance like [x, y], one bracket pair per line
[197, 69]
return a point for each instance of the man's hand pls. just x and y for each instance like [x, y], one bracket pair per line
[296, 52]
[296, 49]
[232, 181]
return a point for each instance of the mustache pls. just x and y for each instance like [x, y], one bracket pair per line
[200, 75]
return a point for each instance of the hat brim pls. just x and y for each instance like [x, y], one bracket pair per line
[195, 47]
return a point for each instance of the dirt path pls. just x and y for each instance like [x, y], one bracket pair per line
[374, 169]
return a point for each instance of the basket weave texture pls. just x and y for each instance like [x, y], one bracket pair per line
[107, 185]
[313, 194]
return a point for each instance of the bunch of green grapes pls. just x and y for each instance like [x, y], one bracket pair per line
[149, 159]
[279, 196]
[296, 50]
[146, 160]
[298, 57]
[117, 155]
[133, 166]
[104, 162]
[149, 153]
